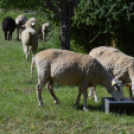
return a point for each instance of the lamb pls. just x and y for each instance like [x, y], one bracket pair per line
[29, 38]
[20, 21]
[8, 25]
[70, 68]
[118, 64]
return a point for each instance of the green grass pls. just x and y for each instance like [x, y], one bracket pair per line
[19, 111]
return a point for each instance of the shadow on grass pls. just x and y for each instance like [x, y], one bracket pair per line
[91, 107]
[99, 108]
[120, 112]
[48, 116]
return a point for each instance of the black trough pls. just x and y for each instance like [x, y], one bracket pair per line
[110, 105]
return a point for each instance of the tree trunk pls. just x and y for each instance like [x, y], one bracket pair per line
[65, 33]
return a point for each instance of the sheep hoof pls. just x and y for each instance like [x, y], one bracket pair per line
[56, 102]
[41, 105]
[85, 109]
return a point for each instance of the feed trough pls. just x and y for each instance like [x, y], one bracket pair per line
[110, 105]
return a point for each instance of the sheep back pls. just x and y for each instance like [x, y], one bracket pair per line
[116, 62]
[29, 37]
[69, 68]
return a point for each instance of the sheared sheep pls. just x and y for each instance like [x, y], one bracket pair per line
[29, 38]
[8, 25]
[70, 68]
[118, 64]
[20, 21]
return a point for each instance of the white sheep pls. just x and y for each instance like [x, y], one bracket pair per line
[20, 21]
[118, 64]
[29, 38]
[70, 68]
[43, 30]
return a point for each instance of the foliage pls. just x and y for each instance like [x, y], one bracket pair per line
[21, 4]
[98, 22]
[95, 22]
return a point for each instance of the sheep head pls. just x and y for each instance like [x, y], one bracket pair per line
[116, 90]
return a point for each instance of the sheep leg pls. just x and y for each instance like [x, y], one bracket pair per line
[6, 35]
[130, 91]
[85, 95]
[78, 98]
[9, 34]
[39, 90]
[43, 36]
[92, 91]
[95, 95]
[83, 89]
[17, 33]
[39, 87]
[33, 49]
[26, 51]
[50, 88]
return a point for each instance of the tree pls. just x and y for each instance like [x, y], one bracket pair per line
[104, 22]
[64, 10]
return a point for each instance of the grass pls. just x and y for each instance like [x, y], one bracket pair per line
[19, 111]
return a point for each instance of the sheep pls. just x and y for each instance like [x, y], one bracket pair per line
[20, 21]
[118, 64]
[29, 38]
[45, 29]
[8, 25]
[70, 68]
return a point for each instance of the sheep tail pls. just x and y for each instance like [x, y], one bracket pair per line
[30, 35]
[32, 66]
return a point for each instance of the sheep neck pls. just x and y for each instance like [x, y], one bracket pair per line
[107, 81]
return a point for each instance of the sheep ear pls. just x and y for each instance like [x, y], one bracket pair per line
[113, 82]
[128, 85]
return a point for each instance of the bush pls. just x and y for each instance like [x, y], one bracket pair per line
[100, 22]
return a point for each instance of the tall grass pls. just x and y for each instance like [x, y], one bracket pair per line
[19, 111]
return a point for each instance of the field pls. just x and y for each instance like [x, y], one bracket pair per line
[19, 110]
